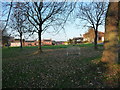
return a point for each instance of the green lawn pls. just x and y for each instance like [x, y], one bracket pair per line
[27, 68]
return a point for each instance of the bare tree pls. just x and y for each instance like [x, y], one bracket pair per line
[4, 36]
[5, 40]
[43, 15]
[8, 17]
[18, 21]
[93, 13]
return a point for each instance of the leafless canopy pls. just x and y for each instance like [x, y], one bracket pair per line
[93, 12]
[43, 15]
[48, 14]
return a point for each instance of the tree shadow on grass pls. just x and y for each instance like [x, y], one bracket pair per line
[109, 76]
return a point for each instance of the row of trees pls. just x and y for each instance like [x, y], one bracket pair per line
[31, 17]
[37, 17]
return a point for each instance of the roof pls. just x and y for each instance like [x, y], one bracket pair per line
[47, 40]
[88, 33]
[60, 41]
[30, 41]
[78, 38]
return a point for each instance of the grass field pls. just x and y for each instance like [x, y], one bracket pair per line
[27, 68]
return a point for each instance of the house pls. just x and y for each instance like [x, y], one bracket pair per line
[75, 40]
[46, 42]
[90, 35]
[31, 43]
[60, 42]
[16, 42]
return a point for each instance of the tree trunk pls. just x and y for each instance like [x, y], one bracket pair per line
[119, 31]
[8, 44]
[110, 54]
[20, 40]
[95, 39]
[39, 35]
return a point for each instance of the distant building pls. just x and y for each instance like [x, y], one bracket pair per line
[16, 42]
[75, 40]
[60, 42]
[31, 43]
[47, 42]
[90, 35]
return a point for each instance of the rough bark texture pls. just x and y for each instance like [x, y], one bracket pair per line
[95, 40]
[119, 18]
[110, 54]
[20, 40]
[39, 35]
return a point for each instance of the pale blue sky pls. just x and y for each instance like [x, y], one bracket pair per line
[72, 29]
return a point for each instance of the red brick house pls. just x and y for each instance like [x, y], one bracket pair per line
[31, 43]
[16, 42]
[47, 42]
[90, 35]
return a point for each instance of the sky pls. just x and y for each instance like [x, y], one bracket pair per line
[72, 29]
[57, 0]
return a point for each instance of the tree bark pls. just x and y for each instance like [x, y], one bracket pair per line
[21, 40]
[8, 44]
[39, 35]
[119, 30]
[110, 53]
[95, 39]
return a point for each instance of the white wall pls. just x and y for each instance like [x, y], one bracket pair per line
[15, 44]
[102, 38]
